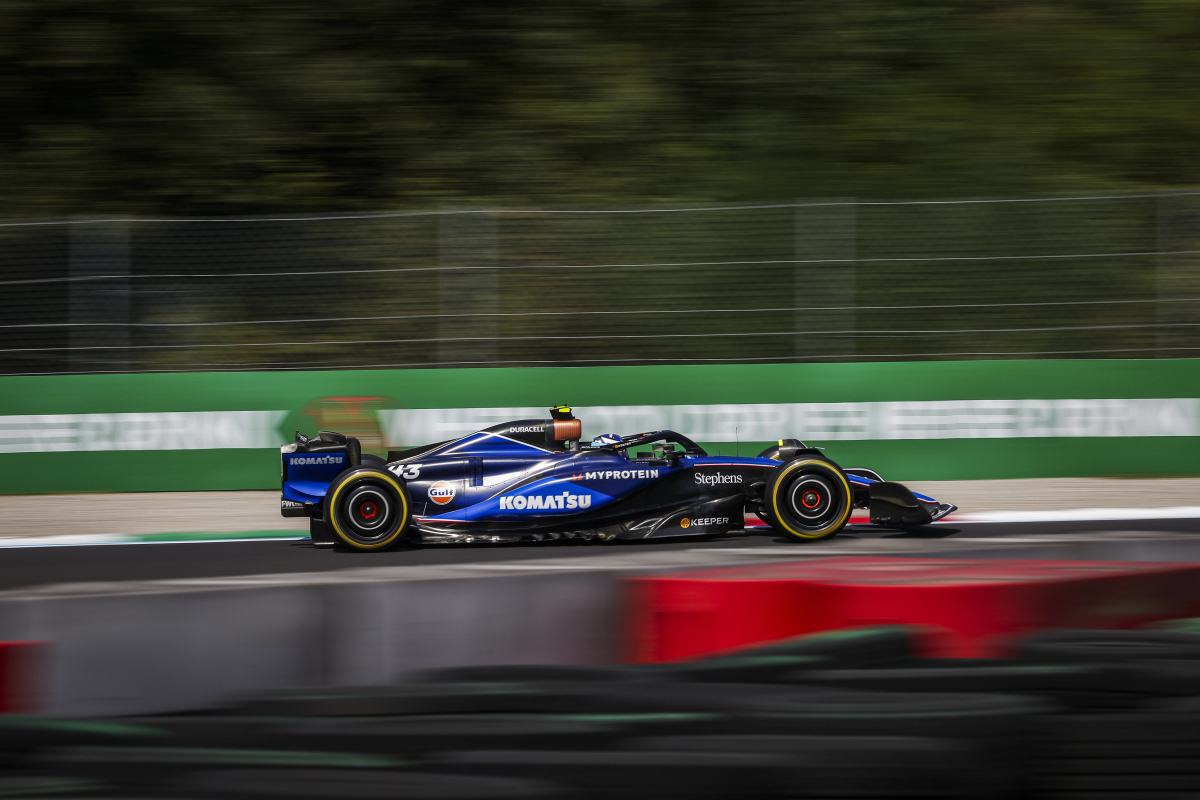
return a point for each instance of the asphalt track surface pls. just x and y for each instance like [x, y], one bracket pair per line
[36, 566]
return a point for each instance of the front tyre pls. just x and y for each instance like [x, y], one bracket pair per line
[367, 508]
[808, 498]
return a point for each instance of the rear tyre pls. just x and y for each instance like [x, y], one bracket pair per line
[808, 498]
[367, 508]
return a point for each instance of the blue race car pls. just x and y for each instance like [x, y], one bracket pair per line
[533, 479]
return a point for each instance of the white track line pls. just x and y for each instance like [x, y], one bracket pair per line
[1063, 515]
[1075, 515]
[103, 540]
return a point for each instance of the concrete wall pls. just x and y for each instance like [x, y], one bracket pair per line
[136, 648]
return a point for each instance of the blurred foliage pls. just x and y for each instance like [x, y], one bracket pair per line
[150, 106]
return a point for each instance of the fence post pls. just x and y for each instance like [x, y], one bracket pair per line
[825, 277]
[468, 240]
[1177, 229]
[99, 310]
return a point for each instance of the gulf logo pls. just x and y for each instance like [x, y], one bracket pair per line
[442, 492]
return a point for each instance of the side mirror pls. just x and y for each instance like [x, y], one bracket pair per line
[667, 451]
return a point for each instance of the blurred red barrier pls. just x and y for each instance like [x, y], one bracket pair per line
[22, 672]
[975, 608]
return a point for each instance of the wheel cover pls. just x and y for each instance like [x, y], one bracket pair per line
[368, 511]
[812, 499]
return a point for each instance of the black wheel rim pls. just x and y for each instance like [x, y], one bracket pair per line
[369, 512]
[812, 501]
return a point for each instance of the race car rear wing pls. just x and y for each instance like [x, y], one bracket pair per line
[308, 465]
[327, 442]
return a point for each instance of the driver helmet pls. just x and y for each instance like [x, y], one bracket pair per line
[606, 439]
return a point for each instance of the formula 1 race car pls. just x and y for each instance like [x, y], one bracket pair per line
[533, 479]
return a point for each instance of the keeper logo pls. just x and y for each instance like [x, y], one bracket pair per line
[316, 460]
[703, 522]
[566, 501]
[714, 479]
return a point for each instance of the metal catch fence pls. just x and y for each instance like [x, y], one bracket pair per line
[841, 280]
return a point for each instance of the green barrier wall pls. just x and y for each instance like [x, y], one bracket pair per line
[312, 399]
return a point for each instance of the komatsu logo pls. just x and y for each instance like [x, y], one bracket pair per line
[712, 479]
[307, 460]
[566, 500]
[617, 474]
